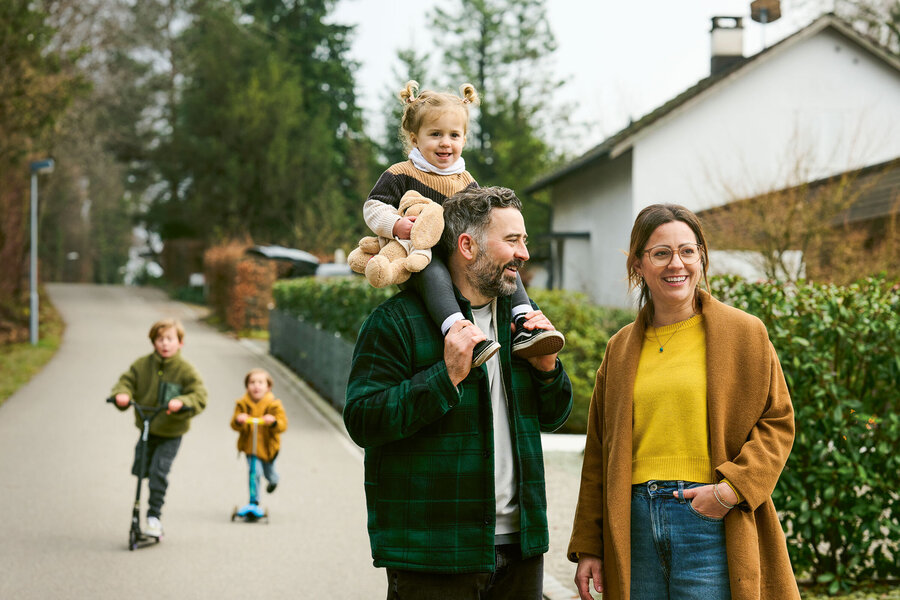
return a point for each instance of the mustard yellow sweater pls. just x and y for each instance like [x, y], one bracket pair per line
[670, 435]
[671, 431]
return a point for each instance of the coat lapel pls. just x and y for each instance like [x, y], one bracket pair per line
[716, 363]
[619, 427]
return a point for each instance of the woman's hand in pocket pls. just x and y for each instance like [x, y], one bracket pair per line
[703, 500]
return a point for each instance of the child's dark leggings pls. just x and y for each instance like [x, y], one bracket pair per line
[435, 287]
[161, 452]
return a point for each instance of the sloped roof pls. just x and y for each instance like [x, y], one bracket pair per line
[621, 141]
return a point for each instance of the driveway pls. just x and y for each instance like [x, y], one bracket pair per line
[66, 488]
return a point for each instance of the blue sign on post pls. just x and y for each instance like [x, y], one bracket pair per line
[42, 166]
[38, 166]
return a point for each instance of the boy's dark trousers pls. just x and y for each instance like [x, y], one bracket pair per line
[161, 453]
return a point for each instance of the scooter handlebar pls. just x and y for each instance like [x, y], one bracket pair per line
[184, 407]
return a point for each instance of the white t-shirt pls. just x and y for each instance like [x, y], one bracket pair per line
[505, 484]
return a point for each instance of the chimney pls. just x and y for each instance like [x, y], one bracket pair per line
[726, 43]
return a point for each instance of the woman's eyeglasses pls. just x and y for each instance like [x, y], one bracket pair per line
[661, 256]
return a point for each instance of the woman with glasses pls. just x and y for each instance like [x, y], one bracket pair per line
[689, 428]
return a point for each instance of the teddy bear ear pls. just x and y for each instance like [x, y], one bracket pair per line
[411, 198]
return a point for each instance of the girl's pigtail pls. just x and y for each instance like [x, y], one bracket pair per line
[468, 93]
[408, 93]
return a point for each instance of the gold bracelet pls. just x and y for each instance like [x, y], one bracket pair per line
[722, 502]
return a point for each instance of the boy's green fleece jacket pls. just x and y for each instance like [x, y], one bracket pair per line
[153, 380]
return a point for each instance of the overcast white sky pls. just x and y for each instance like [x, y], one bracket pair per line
[622, 58]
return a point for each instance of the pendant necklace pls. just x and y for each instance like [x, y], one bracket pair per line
[656, 334]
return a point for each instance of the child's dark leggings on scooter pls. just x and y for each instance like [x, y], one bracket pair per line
[162, 452]
[435, 287]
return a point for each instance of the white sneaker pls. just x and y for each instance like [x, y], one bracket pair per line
[154, 527]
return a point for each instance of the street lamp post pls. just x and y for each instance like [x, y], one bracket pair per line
[38, 166]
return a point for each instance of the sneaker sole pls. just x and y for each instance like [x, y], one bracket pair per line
[548, 342]
[484, 355]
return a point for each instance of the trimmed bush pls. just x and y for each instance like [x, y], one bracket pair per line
[342, 304]
[839, 350]
[587, 328]
[838, 347]
[339, 304]
[239, 288]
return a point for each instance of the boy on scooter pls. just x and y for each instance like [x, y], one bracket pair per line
[259, 402]
[160, 378]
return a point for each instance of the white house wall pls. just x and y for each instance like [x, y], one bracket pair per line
[817, 108]
[596, 266]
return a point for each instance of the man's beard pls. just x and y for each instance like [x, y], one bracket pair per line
[489, 278]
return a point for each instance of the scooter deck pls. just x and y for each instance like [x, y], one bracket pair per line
[250, 513]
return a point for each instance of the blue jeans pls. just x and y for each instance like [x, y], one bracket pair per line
[675, 551]
[267, 468]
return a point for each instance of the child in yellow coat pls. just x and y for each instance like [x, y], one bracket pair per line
[258, 402]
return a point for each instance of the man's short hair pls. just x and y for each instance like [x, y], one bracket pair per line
[469, 211]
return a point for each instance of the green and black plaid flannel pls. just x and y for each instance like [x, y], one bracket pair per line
[429, 463]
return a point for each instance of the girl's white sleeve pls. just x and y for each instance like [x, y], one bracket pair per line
[380, 217]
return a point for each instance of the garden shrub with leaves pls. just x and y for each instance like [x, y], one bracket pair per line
[342, 304]
[339, 304]
[587, 328]
[838, 347]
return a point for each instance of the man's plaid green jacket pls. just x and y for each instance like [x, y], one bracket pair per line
[429, 467]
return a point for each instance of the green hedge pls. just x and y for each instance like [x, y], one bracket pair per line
[839, 491]
[839, 350]
[342, 304]
[587, 328]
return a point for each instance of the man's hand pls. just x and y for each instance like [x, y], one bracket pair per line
[403, 227]
[589, 567]
[122, 400]
[269, 419]
[174, 406]
[538, 320]
[458, 346]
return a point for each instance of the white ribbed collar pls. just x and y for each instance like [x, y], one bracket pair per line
[421, 164]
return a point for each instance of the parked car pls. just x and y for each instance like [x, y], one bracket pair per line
[302, 263]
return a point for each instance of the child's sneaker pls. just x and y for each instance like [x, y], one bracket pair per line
[270, 487]
[484, 350]
[154, 527]
[528, 343]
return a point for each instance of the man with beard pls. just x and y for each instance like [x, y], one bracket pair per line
[454, 474]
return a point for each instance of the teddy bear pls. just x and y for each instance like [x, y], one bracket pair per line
[386, 261]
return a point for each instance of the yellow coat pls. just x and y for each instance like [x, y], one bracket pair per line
[268, 437]
[751, 431]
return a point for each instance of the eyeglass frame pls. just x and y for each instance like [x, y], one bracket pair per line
[674, 252]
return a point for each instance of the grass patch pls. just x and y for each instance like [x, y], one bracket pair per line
[20, 362]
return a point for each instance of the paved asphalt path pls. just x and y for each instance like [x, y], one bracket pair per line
[66, 490]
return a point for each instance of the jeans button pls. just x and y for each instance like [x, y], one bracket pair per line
[652, 487]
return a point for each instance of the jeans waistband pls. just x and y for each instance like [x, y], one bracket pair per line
[657, 488]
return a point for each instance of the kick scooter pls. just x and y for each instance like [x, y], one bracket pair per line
[251, 511]
[136, 537]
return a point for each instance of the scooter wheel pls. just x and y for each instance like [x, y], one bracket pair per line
[132, 540]
[234, 513]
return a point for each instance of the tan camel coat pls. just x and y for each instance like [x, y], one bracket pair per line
[751, 430]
